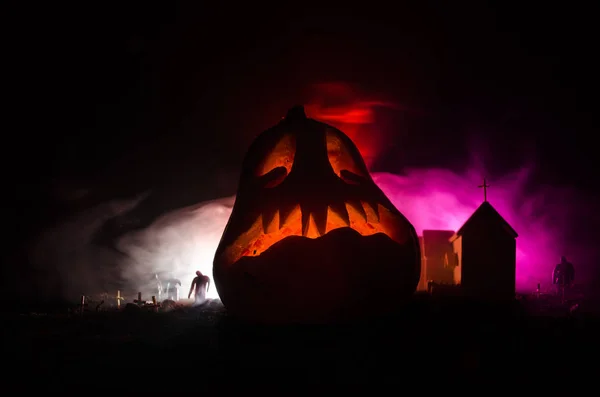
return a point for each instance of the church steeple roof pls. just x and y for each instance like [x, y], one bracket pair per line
[489, 213]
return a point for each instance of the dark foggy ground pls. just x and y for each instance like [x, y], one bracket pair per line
[431, 340]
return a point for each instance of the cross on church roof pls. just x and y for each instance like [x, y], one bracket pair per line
[484, 186]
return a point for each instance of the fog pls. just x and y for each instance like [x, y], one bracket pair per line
[182, 241]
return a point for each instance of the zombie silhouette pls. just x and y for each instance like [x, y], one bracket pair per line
[563, 275]
[172, 288]
[159, 287]
[199, 286]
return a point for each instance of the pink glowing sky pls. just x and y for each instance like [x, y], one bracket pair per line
[442, 199]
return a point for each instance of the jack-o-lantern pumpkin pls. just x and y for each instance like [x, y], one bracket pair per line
[311, 238]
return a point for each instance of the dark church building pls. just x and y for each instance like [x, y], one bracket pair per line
[480, 258]
[485, 250]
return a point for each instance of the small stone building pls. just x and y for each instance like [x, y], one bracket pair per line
[437, 258]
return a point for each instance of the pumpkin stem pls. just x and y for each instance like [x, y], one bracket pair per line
[297, 112]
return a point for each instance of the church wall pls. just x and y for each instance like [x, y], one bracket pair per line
[488, 263]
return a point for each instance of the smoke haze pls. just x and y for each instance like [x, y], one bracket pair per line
[178, 243]
[185, 240]
[544, 218]
[65, 260]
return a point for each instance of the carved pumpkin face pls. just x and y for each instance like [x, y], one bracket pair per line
[304, 181]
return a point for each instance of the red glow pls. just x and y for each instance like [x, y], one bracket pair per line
[343, 107]
[349, 116]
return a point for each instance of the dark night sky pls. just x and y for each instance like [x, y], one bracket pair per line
[121, 99]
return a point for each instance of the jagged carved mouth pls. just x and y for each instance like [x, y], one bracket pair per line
[367, 220]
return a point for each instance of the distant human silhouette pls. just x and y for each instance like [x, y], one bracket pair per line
[172, 290]
[563, 275]
[159, 287]
[200, 286]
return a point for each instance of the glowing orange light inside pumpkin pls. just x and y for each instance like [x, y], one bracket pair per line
[282, 155]
[339, 157]
[257, 240]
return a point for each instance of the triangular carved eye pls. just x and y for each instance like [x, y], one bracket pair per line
[281, 155]
[342, 157]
